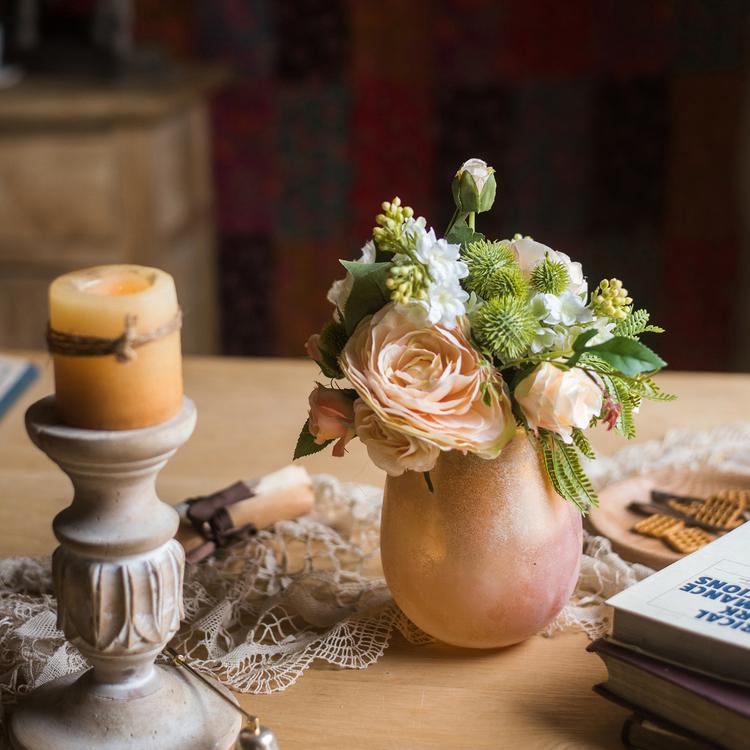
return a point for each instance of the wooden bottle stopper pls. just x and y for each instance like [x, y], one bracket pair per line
[243, 508]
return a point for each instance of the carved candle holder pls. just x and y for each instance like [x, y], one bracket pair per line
[118, 576]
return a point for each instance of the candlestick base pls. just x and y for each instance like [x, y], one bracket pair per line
[118, 580]
[175, 713]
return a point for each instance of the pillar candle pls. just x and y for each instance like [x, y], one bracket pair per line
[102, 392]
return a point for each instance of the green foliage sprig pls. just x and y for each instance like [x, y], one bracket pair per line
[563, 466]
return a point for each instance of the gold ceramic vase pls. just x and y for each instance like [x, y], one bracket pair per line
[487, 559]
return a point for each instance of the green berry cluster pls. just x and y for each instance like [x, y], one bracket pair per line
[388, 234]
[610, 298]
[407, 283]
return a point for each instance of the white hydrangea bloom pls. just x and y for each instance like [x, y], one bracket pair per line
[446, 300]
[604, 326]
[547, 340]
[441, 258]
[445, 303]
[567, 309]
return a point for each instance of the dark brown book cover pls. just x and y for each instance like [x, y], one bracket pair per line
[641, 732]
[728, 695]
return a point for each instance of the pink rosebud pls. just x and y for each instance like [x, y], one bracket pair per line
[331, 417]
[312, 347]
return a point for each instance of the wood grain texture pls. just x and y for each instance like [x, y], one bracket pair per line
[535, 695]
[91, 175]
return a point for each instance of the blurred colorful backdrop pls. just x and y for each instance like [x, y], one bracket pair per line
[617, 130]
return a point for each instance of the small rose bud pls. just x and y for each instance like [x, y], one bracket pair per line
[331, 417]
[474, 187]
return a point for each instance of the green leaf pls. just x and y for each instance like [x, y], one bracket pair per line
[329, 366]
[369, 292]
[487, 196]
[579, 346]
[462, 234]
[583, 338]
[582, 443]
[428, 481]
[628, 356]
[306, 444]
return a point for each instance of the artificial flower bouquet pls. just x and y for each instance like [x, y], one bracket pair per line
[455, 343]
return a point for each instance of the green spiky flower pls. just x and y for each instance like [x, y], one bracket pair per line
[611, 299]
[483, 258]
[388, 234]
[505, 327]
[550, 277]
[506, 281]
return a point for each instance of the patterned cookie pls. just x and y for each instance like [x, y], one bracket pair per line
[686, 507]
[740, 497]
[722, 510]
[688, 539]
[658, 525]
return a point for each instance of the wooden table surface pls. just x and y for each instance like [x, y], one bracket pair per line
[534, 695]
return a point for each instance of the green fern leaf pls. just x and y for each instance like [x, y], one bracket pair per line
[582, 443]
[561, 462]
[635, 324]
[650, 390]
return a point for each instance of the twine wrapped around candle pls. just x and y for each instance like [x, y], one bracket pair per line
[123, 347]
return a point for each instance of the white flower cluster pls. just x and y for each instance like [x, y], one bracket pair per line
[445, 300]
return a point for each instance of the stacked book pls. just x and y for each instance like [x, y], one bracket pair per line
[679, 653]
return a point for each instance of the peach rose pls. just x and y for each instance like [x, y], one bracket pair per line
[331, 417]
[558, 400]
[427, 382]
[394, 451]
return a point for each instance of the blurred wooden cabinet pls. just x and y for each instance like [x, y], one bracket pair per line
[92, 175]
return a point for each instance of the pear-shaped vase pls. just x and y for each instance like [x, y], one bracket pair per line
[490, 556]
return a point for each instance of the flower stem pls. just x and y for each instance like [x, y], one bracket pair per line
[451, 222]
[471, 220]
[536, 358]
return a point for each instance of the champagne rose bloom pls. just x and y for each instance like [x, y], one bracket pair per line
[331, 417]
[558, 400]
[391, 450]
[427, 382]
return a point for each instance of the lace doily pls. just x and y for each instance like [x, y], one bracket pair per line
[260, 613]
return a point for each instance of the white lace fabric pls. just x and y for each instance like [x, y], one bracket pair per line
[262, 611]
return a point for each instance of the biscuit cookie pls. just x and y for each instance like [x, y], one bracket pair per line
[658, 525]
[688, 539]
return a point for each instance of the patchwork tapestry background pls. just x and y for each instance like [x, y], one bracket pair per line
[615, 128]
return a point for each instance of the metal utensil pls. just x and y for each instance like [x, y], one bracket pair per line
[253, 737]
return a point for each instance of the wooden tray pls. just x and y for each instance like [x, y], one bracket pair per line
[613, 520]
